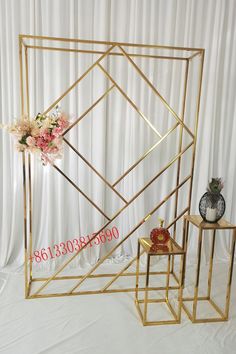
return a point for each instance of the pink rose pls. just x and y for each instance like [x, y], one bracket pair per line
[30, 141]
[57, 131]
[41, 143]
[47, 136]
[63, 122]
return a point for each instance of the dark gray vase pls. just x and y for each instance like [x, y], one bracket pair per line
[212, 207]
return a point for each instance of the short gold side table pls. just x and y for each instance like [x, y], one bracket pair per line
[171, 249]
[201, 225]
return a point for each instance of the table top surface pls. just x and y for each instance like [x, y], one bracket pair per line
[171, 247]
[198, 221]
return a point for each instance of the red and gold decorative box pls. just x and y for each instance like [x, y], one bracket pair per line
[159, 237]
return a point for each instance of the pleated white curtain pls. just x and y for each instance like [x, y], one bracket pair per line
[59, 213]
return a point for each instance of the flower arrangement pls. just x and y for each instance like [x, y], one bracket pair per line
[42, 134]
[215, 186]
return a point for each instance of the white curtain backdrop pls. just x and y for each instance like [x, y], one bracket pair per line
[112, 137]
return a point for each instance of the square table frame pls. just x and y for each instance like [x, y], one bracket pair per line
[177, 250]
[201, 225]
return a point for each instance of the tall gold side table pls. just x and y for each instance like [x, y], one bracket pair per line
[171, 249]
[201, 225]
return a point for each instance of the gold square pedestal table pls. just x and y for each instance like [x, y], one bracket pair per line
[202, 226]
[171, 248]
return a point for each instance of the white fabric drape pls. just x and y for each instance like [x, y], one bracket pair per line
[59, 214]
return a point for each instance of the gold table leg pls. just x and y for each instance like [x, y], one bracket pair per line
[137, 273]
[180, 295]
[211, 265]
[146, 291]
[168, 279]
[185, 246]
[231, 265]
[197, 275]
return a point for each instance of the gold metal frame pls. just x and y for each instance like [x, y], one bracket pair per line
[186, 55]
[221, 225]
[173, 250]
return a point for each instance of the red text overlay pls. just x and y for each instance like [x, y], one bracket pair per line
[74, 245]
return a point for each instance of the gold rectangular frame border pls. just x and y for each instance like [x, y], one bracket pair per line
[27, 183]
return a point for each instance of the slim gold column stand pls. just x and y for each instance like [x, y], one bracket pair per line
[172, 248]
[201, 225]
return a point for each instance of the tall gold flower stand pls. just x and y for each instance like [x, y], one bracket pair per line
[203, 226]
[171, 249]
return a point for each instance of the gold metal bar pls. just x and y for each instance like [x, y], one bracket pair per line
[152, 301]
[128, 235]
[25, 225]
[230, 274]
[177, 218]
[100, 275]
[78, 80]
[21, 77]
[88, 110]
[29, 165]
[168, 279]
[222, 315]
[160, 323]
[137, 271]
[172, 311]
[27, 82]
[194, 55]
[185, 245]
[210, 320]
[198, 274]
[79, 190]
[102, 52]
[145, 155]
[179, 149]
[86, 41]
[180, 297]
[29, 289]
[196, 128]
[211, 264]
[200, 298]
[30, 217]
[94, 170]
[120, 273]
[130, 101]
[175, 277]
[139, 311]
[92, 292]
[187, 312]
[146, 290]
[156, 92]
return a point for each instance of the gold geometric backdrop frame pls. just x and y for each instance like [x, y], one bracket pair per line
[126, 50]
